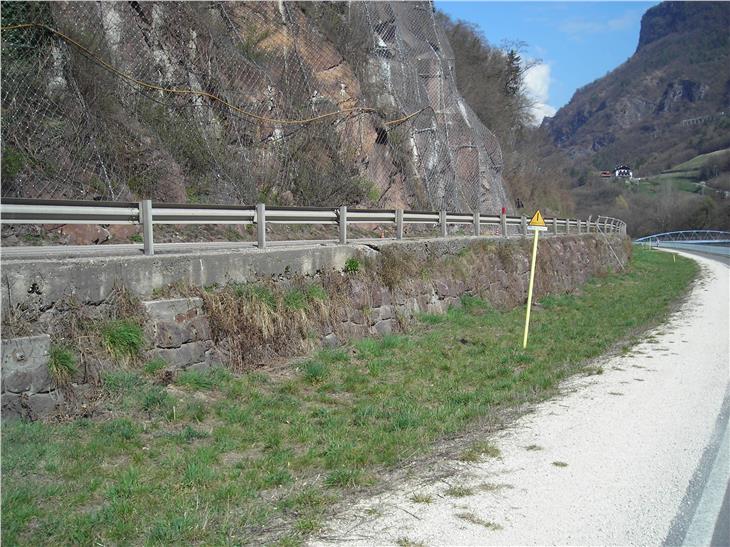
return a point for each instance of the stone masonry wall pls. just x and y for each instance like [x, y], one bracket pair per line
[179, 331]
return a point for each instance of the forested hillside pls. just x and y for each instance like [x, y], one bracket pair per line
[667, 104]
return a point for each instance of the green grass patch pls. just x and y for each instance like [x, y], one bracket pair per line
[120, 382]
[257, 458]
[124, 340]
[154, 366]
[61, 364]
[262, 293]
[295, 300]
[316, 293]
[352, 265]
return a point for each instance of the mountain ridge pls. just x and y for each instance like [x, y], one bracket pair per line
[638, 112]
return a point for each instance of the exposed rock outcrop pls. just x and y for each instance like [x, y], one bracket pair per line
[328, 103]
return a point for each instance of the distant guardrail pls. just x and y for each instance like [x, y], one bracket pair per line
[721, 250]
[147, 213]
[686, 236]
[707, 241]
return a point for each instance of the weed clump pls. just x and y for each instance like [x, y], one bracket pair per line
[422, 498]
[459, 491]
[316, 293]
[61, 365]
[352, 266]
[314, 372]
[154, 366]
[474, 519]
[124, 340]
[295, 300]
[479, 449]
[344, 477]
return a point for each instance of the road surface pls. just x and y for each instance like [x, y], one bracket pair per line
[45, 252]
[136, 249]
[635, 456]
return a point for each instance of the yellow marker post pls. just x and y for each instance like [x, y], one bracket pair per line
[537, 225]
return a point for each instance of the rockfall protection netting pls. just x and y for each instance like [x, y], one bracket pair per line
[290, 103]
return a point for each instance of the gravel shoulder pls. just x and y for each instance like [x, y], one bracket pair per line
[608, 462]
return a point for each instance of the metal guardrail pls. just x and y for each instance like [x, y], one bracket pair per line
[721, 250]
[147, 214]
[687, 236]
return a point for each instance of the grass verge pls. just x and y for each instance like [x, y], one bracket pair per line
[218, 458]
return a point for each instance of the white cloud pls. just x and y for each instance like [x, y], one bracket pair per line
[537, 85]
[578, 28]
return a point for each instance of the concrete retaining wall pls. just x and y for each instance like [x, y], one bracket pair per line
[41, 283]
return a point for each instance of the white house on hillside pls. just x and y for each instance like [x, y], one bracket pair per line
[623, 171]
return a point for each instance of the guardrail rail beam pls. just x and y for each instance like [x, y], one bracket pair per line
[146, 213]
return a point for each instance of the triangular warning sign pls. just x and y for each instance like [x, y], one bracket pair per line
[537, 220]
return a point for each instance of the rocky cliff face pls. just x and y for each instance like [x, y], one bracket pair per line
[317, 104]
[670, 98]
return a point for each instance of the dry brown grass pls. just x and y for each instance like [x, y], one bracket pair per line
[257, 321]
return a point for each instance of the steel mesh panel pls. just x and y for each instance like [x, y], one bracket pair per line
[324, 104]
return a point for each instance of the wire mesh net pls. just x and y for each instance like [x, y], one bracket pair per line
[289, 103]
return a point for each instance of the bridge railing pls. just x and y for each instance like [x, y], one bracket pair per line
[147, 213]
[688, 236]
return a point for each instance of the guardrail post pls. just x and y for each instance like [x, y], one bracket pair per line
[589, 223]
[577, 223]
[523, 224]
[343, 224]
[477, 225]
[399, 223]
[555, 225]
[442, 223]
[145, 219]
[261, 225]
[503, 221]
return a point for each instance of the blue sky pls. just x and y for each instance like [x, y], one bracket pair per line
[577, 42]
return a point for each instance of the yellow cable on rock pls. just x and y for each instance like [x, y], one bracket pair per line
[179, 91]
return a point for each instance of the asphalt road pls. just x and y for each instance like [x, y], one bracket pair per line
[704, 515]
[47, 252]
[133, 249]
[637, 455]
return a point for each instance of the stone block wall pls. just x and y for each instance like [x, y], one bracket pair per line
[179, 331]
[28, 390]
